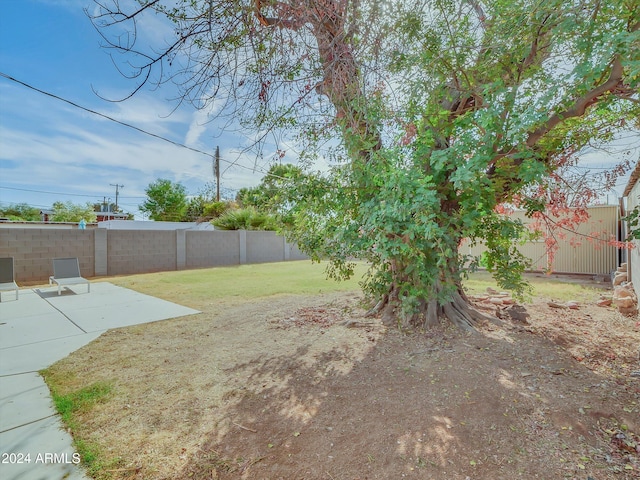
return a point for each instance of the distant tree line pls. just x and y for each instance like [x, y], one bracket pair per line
[266, 206]
[20, 212]
[60, 212]
[263, 207]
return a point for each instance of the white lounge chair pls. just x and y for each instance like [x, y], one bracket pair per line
[66, 271]
[7, 278]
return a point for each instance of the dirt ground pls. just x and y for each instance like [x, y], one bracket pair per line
[281, 389]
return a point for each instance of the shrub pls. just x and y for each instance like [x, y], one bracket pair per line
[245, 219]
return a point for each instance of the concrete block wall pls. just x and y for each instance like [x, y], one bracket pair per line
[294, 252]
[263, 247]
[33, 250]
[212, 248]
[141, 251]
[122, 252]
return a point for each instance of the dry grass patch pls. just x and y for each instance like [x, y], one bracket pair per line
[176, 381]
[277, 387]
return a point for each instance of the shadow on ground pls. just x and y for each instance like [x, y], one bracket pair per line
[445, 405]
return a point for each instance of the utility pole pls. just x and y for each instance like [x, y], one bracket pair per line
[117, 187]
[216, 171]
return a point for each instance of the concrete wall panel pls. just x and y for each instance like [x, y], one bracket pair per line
[263, 247]
[212, 248]
[123, 252]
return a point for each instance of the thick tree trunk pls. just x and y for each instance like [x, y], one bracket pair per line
[442, 299]
[431, 310]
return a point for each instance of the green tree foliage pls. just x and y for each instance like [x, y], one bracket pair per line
[21, 212]
[216, 209]
[204, 207]
[201, 209]
[633, 224]
[277, 192]
[245, 219]
[166, 201]
[195, 209]
[506, 91]
[435, 113]
[71, 212]
[269, 194]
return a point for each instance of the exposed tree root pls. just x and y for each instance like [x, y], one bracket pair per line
[458, 310]
[377, 308]
[357, 324]
[477, 315]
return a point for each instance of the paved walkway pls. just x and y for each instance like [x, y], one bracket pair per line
[37, 330]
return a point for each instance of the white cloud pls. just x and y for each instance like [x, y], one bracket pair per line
[201, 120]
[197, 127]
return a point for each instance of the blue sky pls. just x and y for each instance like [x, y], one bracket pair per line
[47, 145]
[50, 150]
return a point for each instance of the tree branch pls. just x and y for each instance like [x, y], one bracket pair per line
[613, 83]
[125, 17]
[482, 17]
[580, 105]
[292, 23]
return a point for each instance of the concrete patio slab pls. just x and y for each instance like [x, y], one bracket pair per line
[29, 329]
[38, 329]
[28, 304]
[32, 357]
[24, 399]
[113, 307]
[49, 451]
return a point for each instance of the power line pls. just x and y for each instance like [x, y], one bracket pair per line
[57, 193]
[128, 125]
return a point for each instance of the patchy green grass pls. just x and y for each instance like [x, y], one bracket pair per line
[244, 282]
[71, 406]
[557, 288]
[201, 287]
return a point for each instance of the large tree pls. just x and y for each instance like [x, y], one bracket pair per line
[277, 193]
[444, 110]
[71, 212]
[21, 212]
[166, 201]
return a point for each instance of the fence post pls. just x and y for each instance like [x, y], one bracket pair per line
[100, 258]
[181, 249]
[287, 249]
[242, 237]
